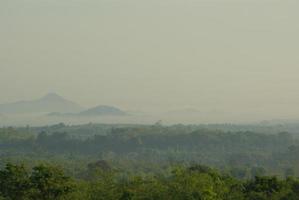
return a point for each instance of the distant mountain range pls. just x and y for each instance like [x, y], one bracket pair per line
[93, 112]
[49, 103]
[56, 105]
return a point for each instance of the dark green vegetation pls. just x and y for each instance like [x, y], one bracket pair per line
[149, 162]
[101, 183]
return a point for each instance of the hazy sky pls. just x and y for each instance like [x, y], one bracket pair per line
[230, 55]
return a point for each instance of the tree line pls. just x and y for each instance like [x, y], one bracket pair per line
[195, 182]
[246, 152]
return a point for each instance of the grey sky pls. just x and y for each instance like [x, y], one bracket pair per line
[230, 55]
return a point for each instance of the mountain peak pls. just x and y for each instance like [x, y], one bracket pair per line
[52, 96]
[51, 102]
[103, 110]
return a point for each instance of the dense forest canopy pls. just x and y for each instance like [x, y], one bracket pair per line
[233, 147]
[102, 161]
[196, 182]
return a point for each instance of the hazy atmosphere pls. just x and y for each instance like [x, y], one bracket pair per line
[219, 56]
[149, 100]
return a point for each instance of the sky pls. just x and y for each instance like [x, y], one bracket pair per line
[221, 55]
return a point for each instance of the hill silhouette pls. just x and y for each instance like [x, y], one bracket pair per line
[51, 102]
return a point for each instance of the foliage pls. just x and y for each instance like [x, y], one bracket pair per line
[43, 183]
[196, 182]
[246, 153]
[144, 162]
